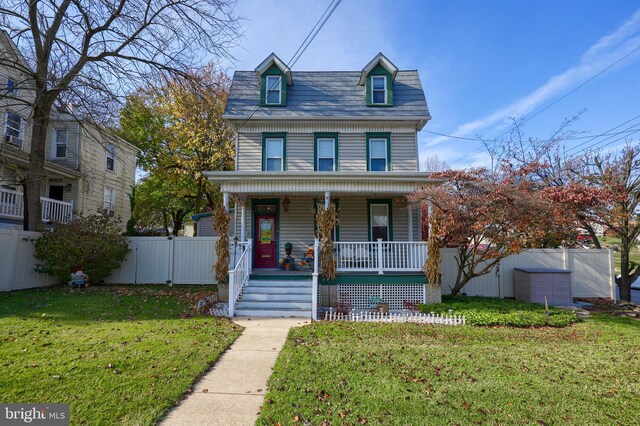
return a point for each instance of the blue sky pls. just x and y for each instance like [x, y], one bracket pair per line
[480, 62]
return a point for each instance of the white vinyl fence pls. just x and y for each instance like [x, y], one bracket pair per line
[167, 260]
[17, 262]
[592, 272]
[188, 260]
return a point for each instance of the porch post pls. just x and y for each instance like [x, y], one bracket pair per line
[243, 225]
[380, 257]
[314, 281]
[410, 209]
[225, 201]
[327, 199]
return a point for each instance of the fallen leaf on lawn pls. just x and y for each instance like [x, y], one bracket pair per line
[205, 390]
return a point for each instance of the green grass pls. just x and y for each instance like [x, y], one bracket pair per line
[490, 311]
[117, 355]
[634, 255]
[410, 374]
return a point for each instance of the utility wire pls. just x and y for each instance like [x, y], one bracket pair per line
[558, 100]
[303, 47]
[538, 140]
[613, 128]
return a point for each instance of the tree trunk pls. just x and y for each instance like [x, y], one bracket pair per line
[198, 204]
[624, 283]
[35, 175]
[165, 223]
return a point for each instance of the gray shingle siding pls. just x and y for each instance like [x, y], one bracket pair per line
[326, 94]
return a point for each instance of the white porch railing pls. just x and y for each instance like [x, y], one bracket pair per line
[239, 275]
[380, 256]
[12, 206]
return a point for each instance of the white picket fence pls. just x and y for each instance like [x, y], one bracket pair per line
[394, 317]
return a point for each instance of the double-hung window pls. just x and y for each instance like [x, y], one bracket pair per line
[378, 89]
[111, 158]
[109, 198]
[11, 87]
[13, 128]
[326, 154]
[273, 90]
[379, 214]
[61, 143]
[378, 154]
[274, 154]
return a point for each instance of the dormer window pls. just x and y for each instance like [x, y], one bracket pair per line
[377, 77]
[274, 90]
[274, 76]
[378, 89]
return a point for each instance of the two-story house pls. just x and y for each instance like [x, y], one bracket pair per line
[342, 137]
[88, 168]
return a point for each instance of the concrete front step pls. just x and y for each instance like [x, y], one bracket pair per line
[276, 283]
[288, 304]
[277, 297]
[278, 290]
[282, 312]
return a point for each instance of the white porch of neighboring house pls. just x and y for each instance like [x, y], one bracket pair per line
[57, 194]
[378, 247]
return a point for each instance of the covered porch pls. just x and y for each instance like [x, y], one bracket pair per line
[377, 243]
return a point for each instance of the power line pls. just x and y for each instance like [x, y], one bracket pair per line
[613, 128]
[303, 47]
[537, 140]
[559, 99]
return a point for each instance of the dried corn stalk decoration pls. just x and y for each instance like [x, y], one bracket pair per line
[431, 266]
[221, 221]
[327, 219]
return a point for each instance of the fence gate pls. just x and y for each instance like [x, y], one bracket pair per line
[154, 260]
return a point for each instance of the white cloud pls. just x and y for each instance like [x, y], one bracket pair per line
[602, 54]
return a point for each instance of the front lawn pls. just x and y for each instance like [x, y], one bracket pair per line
[118, 355]
[410, 374]
[489, 311]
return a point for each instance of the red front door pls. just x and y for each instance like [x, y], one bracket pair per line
[265, 237]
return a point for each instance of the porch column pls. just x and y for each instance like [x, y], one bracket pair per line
[327, 199]
[410, 210]
[243, 225]
[225, 201]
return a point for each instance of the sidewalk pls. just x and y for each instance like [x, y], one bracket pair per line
[233, 390]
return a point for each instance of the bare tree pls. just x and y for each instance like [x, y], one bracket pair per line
[433, 163]
[91, 53]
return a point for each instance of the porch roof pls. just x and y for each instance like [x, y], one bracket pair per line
[320, 182]
[21, 159]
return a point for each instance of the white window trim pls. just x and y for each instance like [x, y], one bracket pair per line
[54, 144]
[371, 225]
[333, 150]
[266, 154]
[6, 124]
[109, 203]
[110, 155]
[266, 89]
[384, 79]
[386, 149]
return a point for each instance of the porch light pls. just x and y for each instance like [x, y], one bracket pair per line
[286, 203]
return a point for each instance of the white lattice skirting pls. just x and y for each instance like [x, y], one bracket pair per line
[360, 295]
[396, 318]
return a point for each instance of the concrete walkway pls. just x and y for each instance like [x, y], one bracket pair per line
[233, 390]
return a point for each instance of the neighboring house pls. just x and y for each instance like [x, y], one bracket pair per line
[345, 137]
[204, 226]
[88, 168]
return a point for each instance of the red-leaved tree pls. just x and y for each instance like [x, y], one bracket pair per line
[488, 217]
